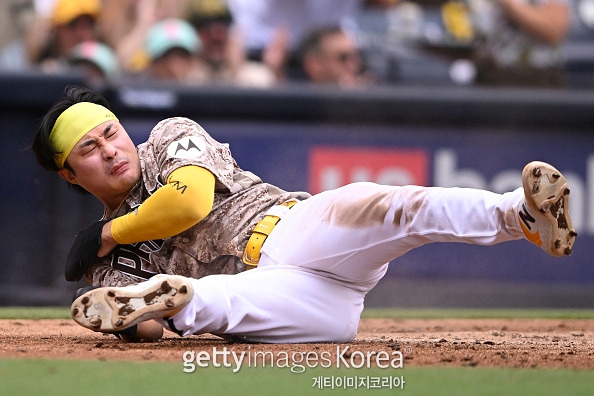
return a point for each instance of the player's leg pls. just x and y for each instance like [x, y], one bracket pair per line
[277, 304]
[353, 231]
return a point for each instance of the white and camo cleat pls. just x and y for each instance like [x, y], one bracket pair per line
[544, 217]
[111, 309]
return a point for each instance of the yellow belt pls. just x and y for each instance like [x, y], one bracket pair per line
[251, 254]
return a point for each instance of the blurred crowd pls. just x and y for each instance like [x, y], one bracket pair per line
[267, 43]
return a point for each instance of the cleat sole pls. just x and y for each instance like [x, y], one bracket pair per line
[546, 192]
[116, 308]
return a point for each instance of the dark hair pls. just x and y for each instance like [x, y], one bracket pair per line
[45, 153]
[312, 42]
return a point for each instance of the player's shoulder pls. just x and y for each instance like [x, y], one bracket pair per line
[174, 128]
[177, 124]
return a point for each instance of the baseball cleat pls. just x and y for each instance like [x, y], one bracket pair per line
[544, 217]
[111, 309]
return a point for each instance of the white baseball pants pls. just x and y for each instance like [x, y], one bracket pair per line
[330, 250]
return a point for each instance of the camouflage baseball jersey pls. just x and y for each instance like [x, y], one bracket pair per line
[214, 245]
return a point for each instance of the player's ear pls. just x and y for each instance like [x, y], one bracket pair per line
[67, 175]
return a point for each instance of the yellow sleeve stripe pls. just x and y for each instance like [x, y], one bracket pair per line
[186, 199]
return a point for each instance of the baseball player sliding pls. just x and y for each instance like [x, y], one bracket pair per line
[179, 206]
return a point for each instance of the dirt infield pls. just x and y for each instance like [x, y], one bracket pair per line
[567, 343]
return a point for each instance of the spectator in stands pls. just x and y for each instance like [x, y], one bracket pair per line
[16, 17]
[52, 39]
[96, 61]
[330, 56]
[271, 30]
[125, 24]
[172, 46]
[221, 60]
[258, 21]
[519, 41]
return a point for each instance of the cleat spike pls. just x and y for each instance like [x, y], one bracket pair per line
[556, 176]
[169, 303]
[183, 289]
[535, 188]
[568, 251]
[85, 300]
[165, 287]
[75, 311]
[557, 243]
[95, 322]
[544, 208]
[536, 172]
[111, 293]
[566, 191]
[573, 233]
[119, 322]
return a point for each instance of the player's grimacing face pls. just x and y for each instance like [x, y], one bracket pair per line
[105, 163]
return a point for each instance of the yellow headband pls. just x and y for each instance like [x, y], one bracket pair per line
[73, 124]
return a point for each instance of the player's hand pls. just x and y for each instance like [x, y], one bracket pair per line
[107, 241]
[83, 253]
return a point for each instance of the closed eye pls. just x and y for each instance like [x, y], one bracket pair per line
[110, 131]
[90, 144]
[89, 149]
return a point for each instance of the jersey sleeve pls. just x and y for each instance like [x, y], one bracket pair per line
[177, 142]
[106, 276]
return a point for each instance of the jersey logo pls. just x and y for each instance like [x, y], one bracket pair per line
[135, 258]
[178, 186]
[187, 147]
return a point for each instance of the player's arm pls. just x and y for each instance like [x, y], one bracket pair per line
[548, 21]
[186, 199]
